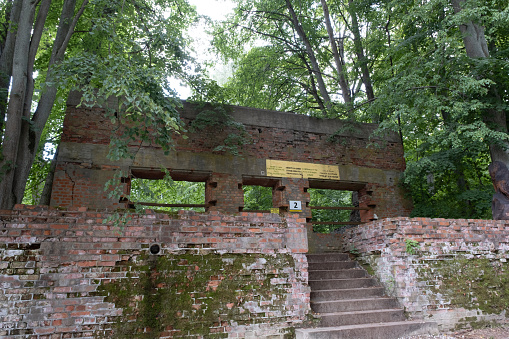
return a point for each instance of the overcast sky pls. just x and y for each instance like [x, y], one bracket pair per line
[216, 10]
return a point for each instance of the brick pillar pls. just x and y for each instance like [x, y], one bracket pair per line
[293, 189]
[366, 200]
[223, 192]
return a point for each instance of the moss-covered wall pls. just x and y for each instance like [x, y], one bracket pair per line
[452, 271]
[189, 295]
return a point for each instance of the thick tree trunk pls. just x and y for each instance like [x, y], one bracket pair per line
[6, 58]
[16, 103]
[31, 133]
[342, 79]
[311, 55]
[473, 35]
[22, 134]
[477, 47]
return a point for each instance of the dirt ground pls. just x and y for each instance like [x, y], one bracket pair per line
[483, 333]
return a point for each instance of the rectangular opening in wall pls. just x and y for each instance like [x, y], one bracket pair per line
[257, 198]
[333, 210]
[258, 194]
[167, 191]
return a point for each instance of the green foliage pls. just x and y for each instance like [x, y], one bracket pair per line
[439, 100]
[411, 246]
[427, 88]
[119, 50]
[167, 191]
[257, 197]
[218, 118]
[448, 184]
[333, 198]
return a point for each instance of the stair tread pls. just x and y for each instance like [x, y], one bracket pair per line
[352, 300]
[335, 279]
[351, 289]
[362, 312]
[374, 325]
[334, 302]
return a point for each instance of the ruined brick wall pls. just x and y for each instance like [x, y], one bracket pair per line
[365, 160]
[68, 273]
[294, 141]
[452, 271]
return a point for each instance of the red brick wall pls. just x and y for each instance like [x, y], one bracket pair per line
[54, 261]
[90, 126]
[428, 264]
[224, 193]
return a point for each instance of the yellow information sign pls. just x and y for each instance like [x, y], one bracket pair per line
[291, 169]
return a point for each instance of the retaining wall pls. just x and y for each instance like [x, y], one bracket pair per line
[68, 274]
[452, 271]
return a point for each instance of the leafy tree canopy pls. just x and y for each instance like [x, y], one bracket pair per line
[435, 71]
[122, 49]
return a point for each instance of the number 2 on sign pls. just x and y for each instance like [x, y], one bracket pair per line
[295, 206]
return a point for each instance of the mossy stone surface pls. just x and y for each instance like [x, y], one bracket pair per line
[199, 295]
[471, 283]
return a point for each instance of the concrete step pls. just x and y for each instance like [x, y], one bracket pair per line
[390, 330]
[327, 257]
[347, 293]
[361, 317]
[352, 305]
[331, 284]
[337, 274]
[333, 265]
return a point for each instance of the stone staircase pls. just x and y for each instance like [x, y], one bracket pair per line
[352, 305]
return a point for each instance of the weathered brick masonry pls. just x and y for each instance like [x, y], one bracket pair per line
[367, 163]
[66, 274]
[452, 271]
[224, 272]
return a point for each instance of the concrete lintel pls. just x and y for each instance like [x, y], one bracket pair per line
[96, 155]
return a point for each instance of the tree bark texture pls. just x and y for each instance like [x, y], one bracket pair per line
[23, 131]
[6, 58]
[16, 103]
[361, 57]
[31, 132]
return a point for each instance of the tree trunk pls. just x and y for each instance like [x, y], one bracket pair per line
[31, 133]
[363, 61]
[477, 47]
[473, 35]
[48, 185]
[16, 103]
[313, 91]
[311, 55]
[22, 134]
[343, 81]
[6, 58]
